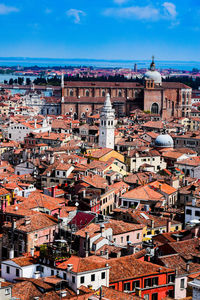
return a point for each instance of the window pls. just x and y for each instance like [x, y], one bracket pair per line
[112, 287]
[154, 108]
[7, 291]
[146, 297]
[64, 173]
[87, 93]
[147, 282]
[188, 212]
[127, 286]
[127, 238]
[93, 277]
[58, 172]
[8, 270]
[17, 272]
[135, 284]
[150, 282]
[138, 236]
[154, 281]
[64, 276]
[197, 213]
[82, 279]
[103, 275]
[182, 283]
[52, 272]
[155, 296]
[122, 239]
[73, 279]
[171, 278]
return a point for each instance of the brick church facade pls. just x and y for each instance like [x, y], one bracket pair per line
[166, 99]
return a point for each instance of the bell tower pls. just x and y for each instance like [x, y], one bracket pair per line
[107, 127]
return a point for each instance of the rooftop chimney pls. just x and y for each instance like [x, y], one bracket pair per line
[194, 201]
[37, 275]
[14, 224]
[69, 267]
[32, 251]
[27, 221]
[187, 267]
[152, 223]
[169, 223]
[102, 228]
[11, 253]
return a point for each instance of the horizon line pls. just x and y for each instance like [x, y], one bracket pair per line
[97, 59]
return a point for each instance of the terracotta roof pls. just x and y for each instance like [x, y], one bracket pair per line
[99, 152]
[111, 294]
[120, 227]
[25, 290]
[192, 161]
[163, 187]
[143, 193]
[175, 261]
[127, 267]
[84, 264]
[96, 181]
[35, 222]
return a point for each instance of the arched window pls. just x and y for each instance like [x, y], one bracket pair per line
[108, 123]
[87, 93]
[71, 93]
[103, 93]
[154, 108]
[119, 93]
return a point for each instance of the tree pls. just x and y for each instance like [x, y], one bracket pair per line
[20, 80]
[28, 81]
[11, 81]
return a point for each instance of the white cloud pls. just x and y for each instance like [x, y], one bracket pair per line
[48, 11]
[170, 9]
[75, 14]
[120, 1]
[138, 12]
[4, 9]
[165, 11]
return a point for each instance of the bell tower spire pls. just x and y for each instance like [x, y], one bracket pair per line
[153, 66]
[107, 127]
[62, 87]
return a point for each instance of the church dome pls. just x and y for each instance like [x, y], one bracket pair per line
[164, 141]
[153, 75]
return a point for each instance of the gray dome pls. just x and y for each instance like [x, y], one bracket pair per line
[164, 141]
[153, 75]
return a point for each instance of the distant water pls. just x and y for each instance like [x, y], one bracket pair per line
[50, 62]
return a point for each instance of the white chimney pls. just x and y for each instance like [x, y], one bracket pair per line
[32, 251]
[37, 274]
[193, 201]
[11, 253]
[69, 267]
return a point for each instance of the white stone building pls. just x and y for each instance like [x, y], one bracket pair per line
[17, 131]
[192, 211]
[107, 125]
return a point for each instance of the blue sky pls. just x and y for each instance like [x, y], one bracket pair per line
[101, 29]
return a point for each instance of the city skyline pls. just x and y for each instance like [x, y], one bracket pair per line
[113, 29]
